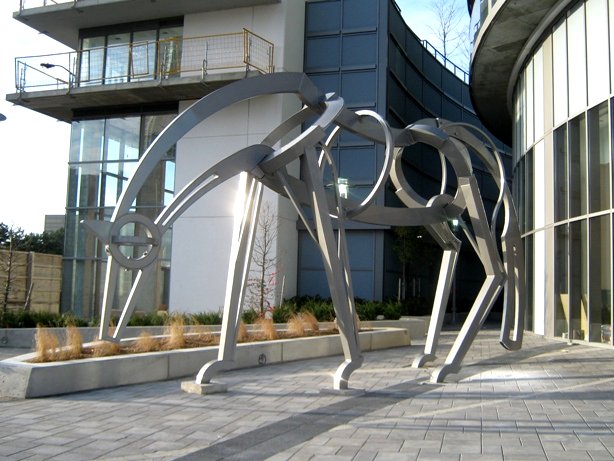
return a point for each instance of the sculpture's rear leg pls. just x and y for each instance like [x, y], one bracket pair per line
[451, 246]
[489, 256]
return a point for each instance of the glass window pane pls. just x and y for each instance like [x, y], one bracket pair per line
[86, 141]
[561, 181]
[88, 184]
[152, 127]
[559, 71]
[599, 158]
[578, 166]
[538, 93]
[170, 51]
[529, 111]
[529, 191]
[597, 54]
[143, 59]
[579, 280]
[91, 61]
[539, 186]
[600, 280]
[561, 280]
[611, 9]
[576, 40]
[116, 67]
[111, 191]
[122, 138]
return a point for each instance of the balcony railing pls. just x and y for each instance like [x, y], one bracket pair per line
[25, 4]
[142, 61]
[458, 71]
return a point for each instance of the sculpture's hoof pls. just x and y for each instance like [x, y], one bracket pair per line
[439, 375]
[422, 360]
[510, 344]
[210, 369]
[342, 375]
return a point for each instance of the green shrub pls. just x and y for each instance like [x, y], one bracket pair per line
[207, 318]
[147, 319]
[322, 308]
[392, 310]
[282, 313]
[249, 316]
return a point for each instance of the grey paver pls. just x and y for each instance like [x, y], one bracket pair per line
[547, 401]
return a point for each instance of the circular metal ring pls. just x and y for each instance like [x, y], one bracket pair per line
[116, 241]
[384, 173]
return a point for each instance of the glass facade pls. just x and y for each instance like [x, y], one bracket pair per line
[563, 126]
[103, 156]
[130, 53]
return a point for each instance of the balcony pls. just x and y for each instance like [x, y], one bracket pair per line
[138, 73]
[62, 19]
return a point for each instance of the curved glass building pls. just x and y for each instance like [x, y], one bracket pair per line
[543, 80]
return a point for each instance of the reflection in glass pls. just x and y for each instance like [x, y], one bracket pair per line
[86, 141]
[529, 190]
[170, 51]
[143, 60]
[559, 68]
[561, 281]
[599, 158]
[600, 280]
[91, 68]
[561, 183]
[118, 54]
[578, 166]
[530, 288]
[576, 49]
[579, 280]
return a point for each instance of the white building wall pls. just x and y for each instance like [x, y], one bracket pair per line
[202, 236]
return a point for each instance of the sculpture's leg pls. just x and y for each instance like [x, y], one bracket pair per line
[480, 309]
[141, 278]
[240, 256]
[336, 271]
[513, 257]
[487, 251]
[446, 276]
[110, 284]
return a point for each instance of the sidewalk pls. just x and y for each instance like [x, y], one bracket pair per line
[549, 401]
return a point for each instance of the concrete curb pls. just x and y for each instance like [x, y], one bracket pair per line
[20, 379]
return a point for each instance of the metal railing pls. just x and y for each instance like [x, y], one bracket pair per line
[26, 4]
[147, 60]
[459, 72]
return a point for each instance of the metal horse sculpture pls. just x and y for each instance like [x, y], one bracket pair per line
[264, 164]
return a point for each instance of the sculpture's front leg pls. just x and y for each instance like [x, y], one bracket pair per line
[336, 270]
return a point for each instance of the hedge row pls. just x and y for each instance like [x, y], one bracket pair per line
[320, 307]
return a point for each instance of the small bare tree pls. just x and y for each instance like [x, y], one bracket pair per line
[449, 26]
[7, 267]
[261, 284]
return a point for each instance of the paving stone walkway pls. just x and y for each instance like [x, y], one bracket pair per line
[549, 401]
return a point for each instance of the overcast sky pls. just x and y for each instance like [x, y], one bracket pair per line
[34, 147]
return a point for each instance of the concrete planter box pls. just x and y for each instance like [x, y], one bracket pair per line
[20, 379]
[24, 337]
